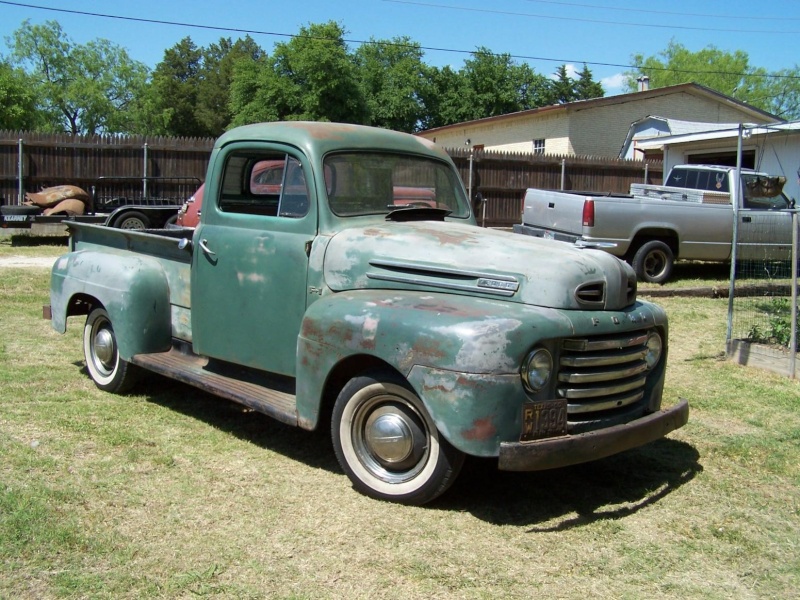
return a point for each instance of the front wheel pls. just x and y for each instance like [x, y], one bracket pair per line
[109, 372]
[653, 262]
[387, 443]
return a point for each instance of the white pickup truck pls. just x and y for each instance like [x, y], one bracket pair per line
[691, 217]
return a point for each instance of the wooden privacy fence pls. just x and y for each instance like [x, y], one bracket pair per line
[501, 178]
[31, 161]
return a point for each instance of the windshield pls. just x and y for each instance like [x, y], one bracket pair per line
[369, 183]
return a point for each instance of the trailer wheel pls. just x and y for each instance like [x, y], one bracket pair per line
[109, 372]
[653, 262]
[387, 443]
[132, 220]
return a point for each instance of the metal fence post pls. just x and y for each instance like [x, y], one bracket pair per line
[20, 174]
[735, 202]
[563, 172]
[795, 264]
[144, 176]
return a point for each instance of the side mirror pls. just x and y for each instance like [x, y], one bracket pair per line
[478, 202]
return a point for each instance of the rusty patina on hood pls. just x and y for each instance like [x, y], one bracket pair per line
[469, 260]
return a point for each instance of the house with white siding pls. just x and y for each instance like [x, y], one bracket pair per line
[597, 127]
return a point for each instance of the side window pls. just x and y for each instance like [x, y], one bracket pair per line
[271, 185]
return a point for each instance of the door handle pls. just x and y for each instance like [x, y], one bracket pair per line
[205, 248]
[746, 219]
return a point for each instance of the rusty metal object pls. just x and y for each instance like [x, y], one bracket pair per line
[66, 207]
[52, 196]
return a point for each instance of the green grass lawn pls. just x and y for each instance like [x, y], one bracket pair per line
[169, 492]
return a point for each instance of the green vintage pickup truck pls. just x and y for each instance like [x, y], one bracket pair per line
[354, 291]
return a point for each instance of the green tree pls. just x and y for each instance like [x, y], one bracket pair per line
[729, 73]
[586, 87]
[497, 85]
[252, 97]
[392, 76]
[174, 92]
[312, 77]
[19, 110]
[444, 97]
[81, 88]
[488, 85]
[213, 107]
[782, 94]
[563, 86]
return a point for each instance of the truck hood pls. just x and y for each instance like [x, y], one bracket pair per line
[468, 260]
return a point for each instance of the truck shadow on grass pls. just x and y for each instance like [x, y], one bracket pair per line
[554, 500]
[313, 448]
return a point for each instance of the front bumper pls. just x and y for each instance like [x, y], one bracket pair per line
[568, 450]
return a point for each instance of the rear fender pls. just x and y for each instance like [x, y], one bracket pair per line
[133, 290]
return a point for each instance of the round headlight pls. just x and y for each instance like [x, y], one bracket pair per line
[654, 349]
[536, 369]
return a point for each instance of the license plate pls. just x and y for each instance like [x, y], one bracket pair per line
[549, 235]
[544, 420]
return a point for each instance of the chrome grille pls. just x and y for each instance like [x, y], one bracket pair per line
[601, 374]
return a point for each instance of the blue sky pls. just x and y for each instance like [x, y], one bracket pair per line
[543, 33]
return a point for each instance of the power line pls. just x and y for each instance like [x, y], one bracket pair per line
[584, 20]
[667, 12]
[387, 43]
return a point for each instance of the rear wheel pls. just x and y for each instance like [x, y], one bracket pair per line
[132, 220]
[388, 444]
[109, 372]
[653, 262]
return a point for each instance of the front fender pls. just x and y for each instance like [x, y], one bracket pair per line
[132, 288]
[438, 342]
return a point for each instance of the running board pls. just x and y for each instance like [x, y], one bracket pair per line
[271, 395]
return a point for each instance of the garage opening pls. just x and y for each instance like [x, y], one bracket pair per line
[726, 159]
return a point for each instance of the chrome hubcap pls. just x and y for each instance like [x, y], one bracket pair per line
[104, 348]
[389, 437]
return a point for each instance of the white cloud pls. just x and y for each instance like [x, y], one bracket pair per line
[614, 84]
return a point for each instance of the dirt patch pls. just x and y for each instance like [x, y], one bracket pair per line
[44, 262]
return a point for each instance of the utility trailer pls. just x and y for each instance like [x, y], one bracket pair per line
[121, 202]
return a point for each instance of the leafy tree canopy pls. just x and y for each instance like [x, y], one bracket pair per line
[18, 110]
[196, 91]
[729, 73]
[393, 80]
[80, 88]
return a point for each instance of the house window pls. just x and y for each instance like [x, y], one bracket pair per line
[538, 146]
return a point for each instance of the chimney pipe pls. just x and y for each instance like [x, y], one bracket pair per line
[644, 83]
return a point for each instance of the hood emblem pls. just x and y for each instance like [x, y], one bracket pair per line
[498, 284]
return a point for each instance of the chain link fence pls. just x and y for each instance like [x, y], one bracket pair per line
[763, 308]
